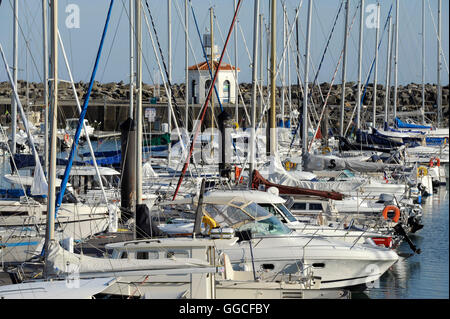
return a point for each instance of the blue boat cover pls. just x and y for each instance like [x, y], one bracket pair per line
[400, 124]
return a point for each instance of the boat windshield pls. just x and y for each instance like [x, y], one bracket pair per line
[265, 227]
[286, 214]
[247, 216]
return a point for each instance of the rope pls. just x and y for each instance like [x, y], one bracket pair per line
[177, 109]
[206, 103]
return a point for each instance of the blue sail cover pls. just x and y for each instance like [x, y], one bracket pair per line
[401, 124]
[27, 160]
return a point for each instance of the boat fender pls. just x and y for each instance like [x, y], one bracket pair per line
[422, 171]
[434, 161]
[209, 223]
[390, 208]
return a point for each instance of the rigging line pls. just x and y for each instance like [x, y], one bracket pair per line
[82, 115]
[348, 32]
[112, 44]
[371, 67]
[172, 97]
[328, 42]
[210, 72]
[14, 164]
[27, 45]
[143, 56]
[437, 35]
[166, 89]
[233, 73]
[315, 81]
[22, 114]
[205, 106]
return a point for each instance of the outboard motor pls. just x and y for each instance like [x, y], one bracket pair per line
[400, 231]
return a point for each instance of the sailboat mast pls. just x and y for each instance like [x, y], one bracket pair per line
[254, 93]
[388, 57]
[374, 117]
[361, 32]
[396, 58]
[45, 84]
[283, 66]
[131, 108]
[186, 64]
[298, 71]
[439, 66]
[50, 230]
[344, 67]
[138, 111]
[169, 75]
[271, 146]
[236, 102]
[15, 72]
[423, 62]
[305, 96]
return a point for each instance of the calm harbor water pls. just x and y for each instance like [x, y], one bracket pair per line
[423, 276]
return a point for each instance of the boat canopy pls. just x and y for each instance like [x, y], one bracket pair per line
[400, 124]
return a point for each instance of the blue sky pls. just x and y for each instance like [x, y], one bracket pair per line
[81, 43]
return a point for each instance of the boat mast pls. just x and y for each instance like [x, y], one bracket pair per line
[271, 142]
[289, 94]
[396, 58]
[51, 203]
[186, 63]
[439, 66]
[138, 111]
[298, 72]
[388, 69]
[236, 101]
[358, 110]
[169, 62]
[374, 117]
[254, 93]
[15, 72]
[423, 62]
[169, 75]
[261, 107]
[283, 65]
[45, 65]
[344, 67]
[305, 96]
[211, 22]
[131, 108]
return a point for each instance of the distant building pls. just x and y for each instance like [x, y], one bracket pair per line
[200, 79]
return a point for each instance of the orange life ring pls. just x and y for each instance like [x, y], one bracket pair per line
[66, 138]
[391, 208]
[433, 161]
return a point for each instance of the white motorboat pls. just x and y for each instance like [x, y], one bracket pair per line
[276, 252]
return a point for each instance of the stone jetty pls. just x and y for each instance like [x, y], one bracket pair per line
[117, 94]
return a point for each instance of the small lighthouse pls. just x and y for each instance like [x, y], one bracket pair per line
[200, 79]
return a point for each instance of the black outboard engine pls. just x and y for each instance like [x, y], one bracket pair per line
[400, 231]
